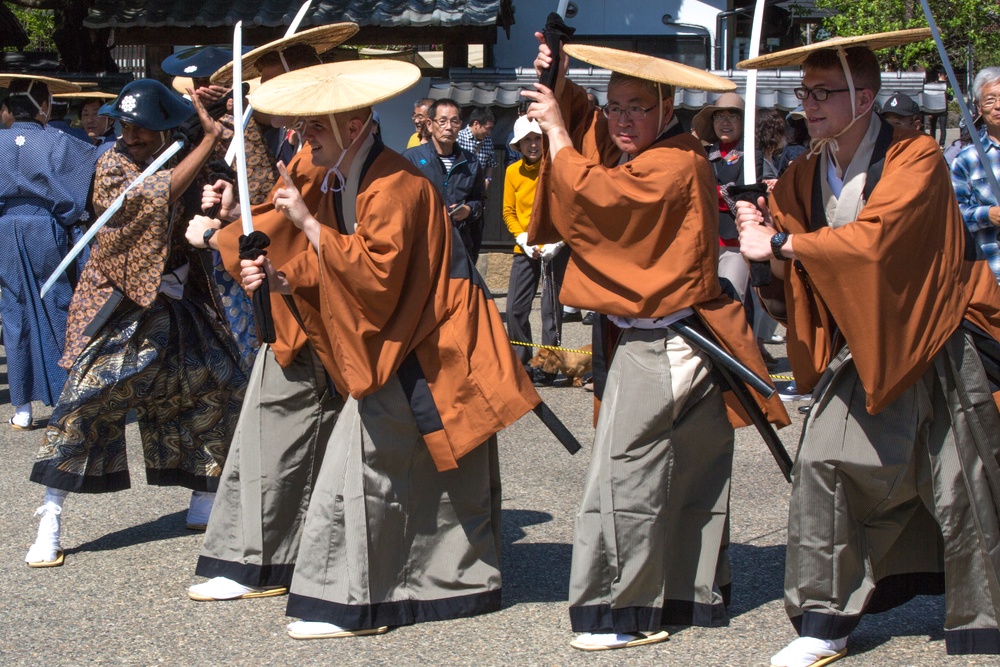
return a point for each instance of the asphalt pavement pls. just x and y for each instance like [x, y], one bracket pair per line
[120, 598]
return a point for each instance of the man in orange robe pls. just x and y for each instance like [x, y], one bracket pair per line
[895, 479]
[634, 197]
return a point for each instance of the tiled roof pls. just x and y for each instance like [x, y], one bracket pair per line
[501, 87]
[273, 13]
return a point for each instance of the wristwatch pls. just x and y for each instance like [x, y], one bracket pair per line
[777, 241]
[209, 233]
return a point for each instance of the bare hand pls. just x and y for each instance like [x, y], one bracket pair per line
[288, 200]
[221, 192]
[254, 271]
[543, 60]
[460, 211]
[544, 108]
[196, 229]
[211, 127]
[995, 215]
[756, 229]
[209, 94]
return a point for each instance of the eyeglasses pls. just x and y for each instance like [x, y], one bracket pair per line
[988, 103]
[818, 94]
[445, 122]
[419, 116]
[634, 113]
[723, 116]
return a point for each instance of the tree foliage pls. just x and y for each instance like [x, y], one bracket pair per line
[970, 29]
[39, 24]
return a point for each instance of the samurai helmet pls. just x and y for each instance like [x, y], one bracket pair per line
[148, 104]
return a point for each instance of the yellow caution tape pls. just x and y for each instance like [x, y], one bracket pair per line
[549, 347]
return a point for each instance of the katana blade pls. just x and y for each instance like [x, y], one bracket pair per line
[750, 112]
[101, 221]
[960, 98]
[241, 153]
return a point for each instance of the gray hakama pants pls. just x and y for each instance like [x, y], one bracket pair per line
[652, 533]
[388, 539]
[870, 492]
[285, 424]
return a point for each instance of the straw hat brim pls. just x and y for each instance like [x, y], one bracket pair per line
[322, 39]
[334, 87]
[798, 55]
[182, 83]
[85, 95]
[649, 68]
[55, 85]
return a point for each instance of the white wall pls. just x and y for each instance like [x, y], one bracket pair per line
[600, 17]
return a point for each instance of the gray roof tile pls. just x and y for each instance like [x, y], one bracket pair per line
[272, 13]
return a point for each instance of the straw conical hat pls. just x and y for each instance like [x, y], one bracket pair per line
[322, 39]
[182, 83]
[334, 87]
[85, 95]
[649, 68]
[55, 85]
[798, 55]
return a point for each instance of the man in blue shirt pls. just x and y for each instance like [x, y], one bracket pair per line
[976, 199]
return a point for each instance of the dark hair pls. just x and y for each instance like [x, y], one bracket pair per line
[864, 65]
[796, 132]
[298, 56]
[443, 102]
[18, 101]
[770, 130]
[482, 115]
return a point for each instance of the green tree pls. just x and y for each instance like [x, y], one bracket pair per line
[80, 49]
[970, 29]
[39, 24]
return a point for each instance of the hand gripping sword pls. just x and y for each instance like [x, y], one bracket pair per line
[252, 244]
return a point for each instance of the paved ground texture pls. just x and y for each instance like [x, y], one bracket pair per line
[120, 599]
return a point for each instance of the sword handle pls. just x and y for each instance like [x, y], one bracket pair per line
[261, 302]
[760, 272]
[556, 33]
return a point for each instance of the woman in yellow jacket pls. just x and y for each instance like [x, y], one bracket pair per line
[526, 270]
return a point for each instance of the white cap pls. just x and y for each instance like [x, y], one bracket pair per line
[524, 126]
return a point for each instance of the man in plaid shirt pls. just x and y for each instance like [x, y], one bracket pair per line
[475, 138]
[976, 199]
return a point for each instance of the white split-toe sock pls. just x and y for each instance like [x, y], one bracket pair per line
[47, 545]
[810, 652]
[222, 588]
[22, 416]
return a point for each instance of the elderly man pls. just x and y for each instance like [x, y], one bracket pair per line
[900, 110]
[454, 171]
[976, 199]
[886, 316]
[634, 197]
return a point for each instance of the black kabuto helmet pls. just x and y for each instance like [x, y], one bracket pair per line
[148, 104]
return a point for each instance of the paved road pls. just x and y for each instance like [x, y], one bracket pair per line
[121, 597]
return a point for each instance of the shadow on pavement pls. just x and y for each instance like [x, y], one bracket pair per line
[758, 576]
[164, 528]
[532, 571]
